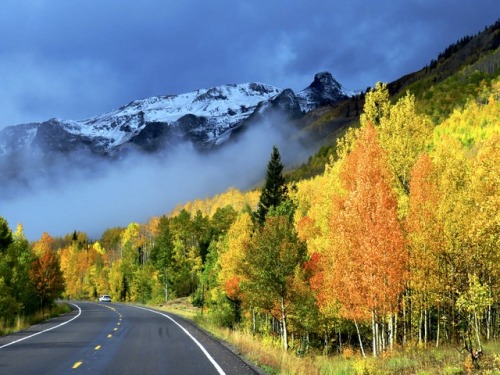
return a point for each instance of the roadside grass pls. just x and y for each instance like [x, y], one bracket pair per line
[19, 323]
[266, 353]
[180, 306]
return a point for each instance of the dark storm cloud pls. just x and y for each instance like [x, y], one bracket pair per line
[74, 60]
[77, 59]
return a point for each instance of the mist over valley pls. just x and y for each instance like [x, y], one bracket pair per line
[60, 176]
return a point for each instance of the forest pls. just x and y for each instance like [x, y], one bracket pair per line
[396, 244]
[387, 240]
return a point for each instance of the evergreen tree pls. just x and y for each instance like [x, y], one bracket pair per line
[275, 191]
[5, 234]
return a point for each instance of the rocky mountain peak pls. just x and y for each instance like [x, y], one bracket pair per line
[322, 91]
[206, 118]
[324, 82]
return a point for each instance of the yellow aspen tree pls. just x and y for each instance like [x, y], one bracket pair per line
[377, 105]
[424, 234]
[232, 253]
[404, 134]
[454, 213]
[484, 226]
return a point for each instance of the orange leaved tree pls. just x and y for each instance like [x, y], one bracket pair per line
[366, 264]
[45, 273]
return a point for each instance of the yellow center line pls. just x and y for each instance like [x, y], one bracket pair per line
[77, 364]
[98, 347]
[110, 335]
[115, 329]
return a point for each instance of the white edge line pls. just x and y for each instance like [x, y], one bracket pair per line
[46, 330]
[210, 358]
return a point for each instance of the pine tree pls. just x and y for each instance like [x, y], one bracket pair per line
[5, 234]
[275, 190]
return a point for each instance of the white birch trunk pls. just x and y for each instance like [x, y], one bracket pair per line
[478, 328]
[359, 338]
[391, 332]
[426, 325]
[254, 323]
[374, 334]
[283, 323]
[438, 328]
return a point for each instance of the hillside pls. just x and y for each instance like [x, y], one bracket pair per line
[458, 74]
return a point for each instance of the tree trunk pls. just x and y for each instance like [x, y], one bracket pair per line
[488, 322]
[166, 287]
[395, 326]
[404, 324]
[254, 324]
[326, 339]
[359, 338]
[383, 340]
[374, 334]
[340, 341]
[438, 328]
[283, 323]
[426, 325]
[391, 331]
[477, 329]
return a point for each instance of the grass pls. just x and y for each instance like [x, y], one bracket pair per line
[266, 353]
[22, 322]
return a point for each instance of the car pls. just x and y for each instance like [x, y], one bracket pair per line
[104, 298]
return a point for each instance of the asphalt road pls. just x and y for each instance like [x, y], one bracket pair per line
[99, 338]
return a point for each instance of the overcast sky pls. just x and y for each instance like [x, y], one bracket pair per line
[77, 59]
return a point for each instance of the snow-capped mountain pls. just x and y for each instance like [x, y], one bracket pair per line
[205, 117]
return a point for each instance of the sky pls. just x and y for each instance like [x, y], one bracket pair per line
[78, 59]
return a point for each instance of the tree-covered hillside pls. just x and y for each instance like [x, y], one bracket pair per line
[458, 74]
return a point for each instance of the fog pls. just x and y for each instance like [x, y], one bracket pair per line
[89, 194]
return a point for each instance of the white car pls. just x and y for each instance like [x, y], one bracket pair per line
[104, 298]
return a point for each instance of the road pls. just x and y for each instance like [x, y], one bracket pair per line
[110, 338]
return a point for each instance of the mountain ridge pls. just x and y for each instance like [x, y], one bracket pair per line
[205, 117]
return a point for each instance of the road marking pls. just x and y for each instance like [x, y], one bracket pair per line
[98, 347]
[77, 364]
[110, 335]
[210, 358]
[46, 330]
[115, 329]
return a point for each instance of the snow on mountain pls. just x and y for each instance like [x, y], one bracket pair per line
[204, 117]
[225, 105]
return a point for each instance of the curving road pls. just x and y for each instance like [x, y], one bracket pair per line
[99, 338]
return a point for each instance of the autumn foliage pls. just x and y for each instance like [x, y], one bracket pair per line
[396, 243]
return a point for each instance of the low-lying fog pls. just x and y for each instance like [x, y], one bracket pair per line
[90, 195]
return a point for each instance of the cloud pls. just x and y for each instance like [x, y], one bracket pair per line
[89, 194]
[63, 90]
[76, 60]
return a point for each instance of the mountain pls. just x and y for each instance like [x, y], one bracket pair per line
[206, 118]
